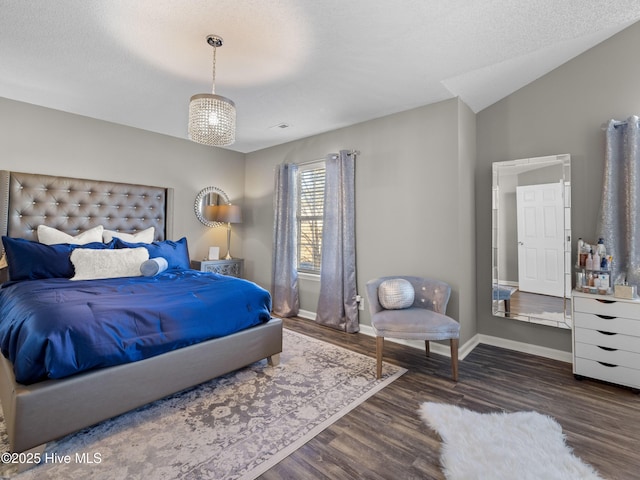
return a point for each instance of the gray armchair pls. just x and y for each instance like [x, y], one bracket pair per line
[425, 319]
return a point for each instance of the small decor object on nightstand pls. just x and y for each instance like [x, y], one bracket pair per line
[214, 253]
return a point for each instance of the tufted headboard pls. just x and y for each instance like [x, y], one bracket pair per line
[73, 205]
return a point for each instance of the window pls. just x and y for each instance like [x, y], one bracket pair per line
[310, 209]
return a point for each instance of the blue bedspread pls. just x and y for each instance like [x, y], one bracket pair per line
[56, 327]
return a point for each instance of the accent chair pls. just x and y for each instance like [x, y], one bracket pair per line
[412, 308]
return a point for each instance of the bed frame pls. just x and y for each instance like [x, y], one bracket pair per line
[45, 411]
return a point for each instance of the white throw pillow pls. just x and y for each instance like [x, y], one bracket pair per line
[143, 236]
[153, 266]
[396, 294]
[92, 264]
[52, 236]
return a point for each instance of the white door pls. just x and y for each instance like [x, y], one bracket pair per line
[540, 211]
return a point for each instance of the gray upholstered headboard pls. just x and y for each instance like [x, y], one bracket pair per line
[73, 205]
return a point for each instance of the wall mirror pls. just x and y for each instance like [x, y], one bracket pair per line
[205, 204]
[531, 240]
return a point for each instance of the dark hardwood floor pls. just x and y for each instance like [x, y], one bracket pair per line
[535, 303]
[384, 438]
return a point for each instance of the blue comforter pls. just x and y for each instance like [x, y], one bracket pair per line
[56, 327]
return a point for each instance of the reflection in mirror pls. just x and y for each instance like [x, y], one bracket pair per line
[531, 240]
[205, 204]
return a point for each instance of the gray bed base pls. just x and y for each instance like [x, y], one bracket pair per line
[45, 411]
[42, 412]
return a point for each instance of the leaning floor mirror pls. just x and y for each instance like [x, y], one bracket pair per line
[531, 240]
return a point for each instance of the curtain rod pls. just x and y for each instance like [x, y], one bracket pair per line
[308, 162]
[616, 123]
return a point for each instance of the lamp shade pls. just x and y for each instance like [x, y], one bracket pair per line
[228, 214]
[212, 120]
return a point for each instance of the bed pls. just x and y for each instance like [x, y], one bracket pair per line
[45, 410]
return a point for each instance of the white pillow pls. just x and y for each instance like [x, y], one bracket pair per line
[153, 266]
[52, 236]
[92, 264]
[143, 236]
[396, 294]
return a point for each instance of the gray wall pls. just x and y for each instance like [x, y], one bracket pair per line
[423, 177]
[41, 140]
[561, 112]
[414, 201]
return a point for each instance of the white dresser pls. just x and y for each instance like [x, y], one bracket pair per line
[606, 338]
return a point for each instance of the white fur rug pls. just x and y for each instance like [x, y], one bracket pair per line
[503, 446]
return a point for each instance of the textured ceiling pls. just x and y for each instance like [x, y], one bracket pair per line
[315, 65]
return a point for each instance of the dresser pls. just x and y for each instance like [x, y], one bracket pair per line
[606, 338]
[233, 267]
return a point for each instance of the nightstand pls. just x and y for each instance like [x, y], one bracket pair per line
[233, 267]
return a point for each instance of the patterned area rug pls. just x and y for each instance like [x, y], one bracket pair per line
[234, 427]
[503, 446]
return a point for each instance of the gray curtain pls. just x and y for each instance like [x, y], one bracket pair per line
[284, 279]
[619, 219]
[337, 305]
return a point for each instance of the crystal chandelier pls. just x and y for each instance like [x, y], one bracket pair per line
[212, 118]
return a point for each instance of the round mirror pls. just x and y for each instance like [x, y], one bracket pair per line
[206, 205]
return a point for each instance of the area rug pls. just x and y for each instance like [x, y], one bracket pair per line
[234, 427]
[503, 446]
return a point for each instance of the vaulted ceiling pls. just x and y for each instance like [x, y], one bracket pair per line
[312, 65]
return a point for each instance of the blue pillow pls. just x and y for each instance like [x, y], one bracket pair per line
[29, 260]
[175, 253]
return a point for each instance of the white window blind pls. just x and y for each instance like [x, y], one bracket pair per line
[310, 209]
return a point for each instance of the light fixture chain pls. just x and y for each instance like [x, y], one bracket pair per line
[213, 86]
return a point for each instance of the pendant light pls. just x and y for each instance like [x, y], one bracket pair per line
[212, 118]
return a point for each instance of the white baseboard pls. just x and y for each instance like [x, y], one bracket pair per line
[526, 348]
[440, 349]
[466, 348]
[307, 314]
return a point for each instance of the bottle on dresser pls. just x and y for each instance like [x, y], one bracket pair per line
[600, 248]
[596, 261]
[589, 262]
[583, 252]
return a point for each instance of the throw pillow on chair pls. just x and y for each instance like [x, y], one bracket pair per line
[396, 294]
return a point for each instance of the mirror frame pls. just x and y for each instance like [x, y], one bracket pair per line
[526, 164]
[199, 205]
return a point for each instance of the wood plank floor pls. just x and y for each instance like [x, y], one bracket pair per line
[384, 438]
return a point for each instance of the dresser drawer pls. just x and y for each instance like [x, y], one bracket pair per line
[607, 323]
[615, 374]
[621, 358]
[612, 308]
[616, 340]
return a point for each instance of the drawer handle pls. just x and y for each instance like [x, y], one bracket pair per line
[605, 317]
[606, 333]
[608, 349]
[605, 301]
[610, 365]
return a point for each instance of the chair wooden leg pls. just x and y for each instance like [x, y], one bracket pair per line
[454, 358]
[379, 346]
[426, 348]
